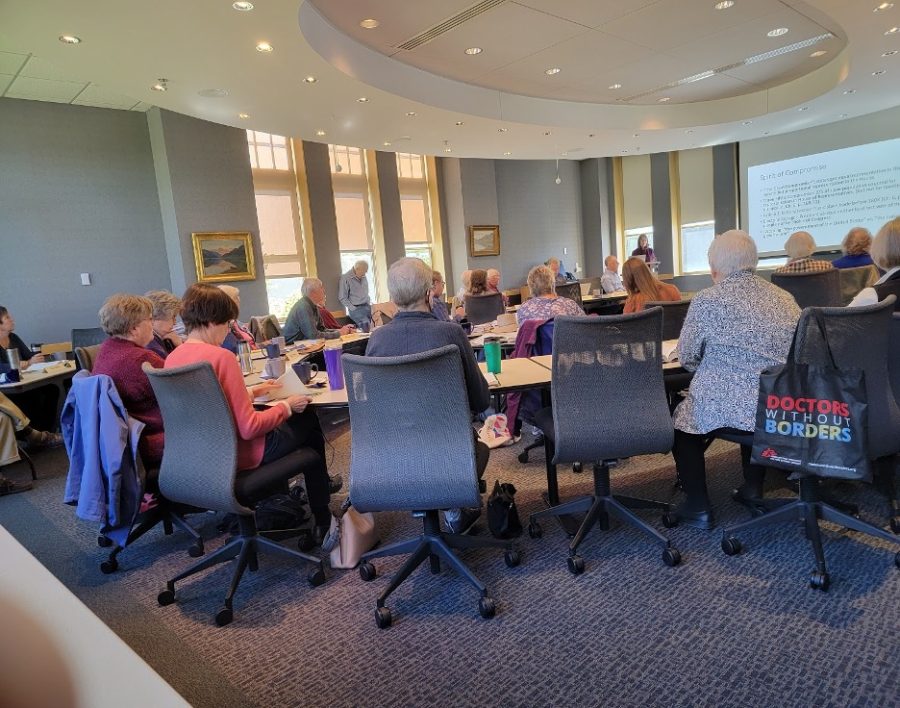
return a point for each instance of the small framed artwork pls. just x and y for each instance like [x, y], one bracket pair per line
[221, 256]
[484, 241]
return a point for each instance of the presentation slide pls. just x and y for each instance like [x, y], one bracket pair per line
[825, 194]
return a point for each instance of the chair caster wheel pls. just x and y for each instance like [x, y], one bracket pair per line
[306, 542]
[897, 559]
[367, 571]
[316, 577]
[670, 521]
[731, 546]
[523, 457]
[535, 530]
[110, 566]
[224, 616]
[512, 558]
[383, 617]
[104, 542]
[819, 581]
[575, 565]
[487, 608]
[482, 486]
[166, 597]
[195, 550]
[577, 468]
[895, 524]
[671, 556]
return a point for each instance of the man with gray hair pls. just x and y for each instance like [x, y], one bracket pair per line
[304, 320]
[415, 329]
[611, 281]
[353, 292]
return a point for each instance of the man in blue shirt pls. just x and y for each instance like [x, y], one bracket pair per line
[611, 281]
[353, 292]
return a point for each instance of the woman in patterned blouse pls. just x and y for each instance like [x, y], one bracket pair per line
[544, 302]
[732, 331]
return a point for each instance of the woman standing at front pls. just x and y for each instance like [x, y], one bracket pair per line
[263, 436]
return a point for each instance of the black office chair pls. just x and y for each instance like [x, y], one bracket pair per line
[199, 468]
[601, 366]
[87, 337]
[845, 329]
[819, 289]
[571, 291]
[673, 316]
[855, 279]
[86, 356]
[484, 308]
[405, 464]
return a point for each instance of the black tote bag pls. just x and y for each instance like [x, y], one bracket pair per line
[812, 419]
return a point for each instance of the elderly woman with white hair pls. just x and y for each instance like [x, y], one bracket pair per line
[166, 308]
[799, 247]
[732, 332]
[886, 254]
[544, 303]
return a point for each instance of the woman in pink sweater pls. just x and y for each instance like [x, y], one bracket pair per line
[263, 436]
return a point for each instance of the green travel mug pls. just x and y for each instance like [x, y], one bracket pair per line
[492, 354]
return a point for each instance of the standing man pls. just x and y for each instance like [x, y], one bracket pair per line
[611, 281]
[353, 292]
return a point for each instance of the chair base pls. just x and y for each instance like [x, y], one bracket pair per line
[436, 546]
[246, 548]
[166, 514]
[25, 456]
[808, 510]
[599, 507]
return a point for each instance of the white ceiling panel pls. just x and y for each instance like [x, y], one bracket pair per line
[650, 73]
[38, 68]
[10, 63]
[590, 13]
[5, 81]
[44, 89]
[719, 86]
[778, 70]
[95, 95]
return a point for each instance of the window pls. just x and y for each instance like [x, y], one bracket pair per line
[346, 160]
[695, 241]
[352, 210]
[635, 201]
[414, 206]
[268, 152]
[410, 165]
[696, 208]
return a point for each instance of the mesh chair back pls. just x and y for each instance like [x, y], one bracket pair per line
[859, 338]
[571, 291]
[484, 308]
[822, 289]
[673, 316]
[200, 458]
[894, 356]
[86, 356]
[855, 279]
[412, 446]
[609, 399]
[87, 337]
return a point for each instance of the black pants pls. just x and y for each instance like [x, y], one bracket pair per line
[303, 430]
[688, 451]
[40, 405]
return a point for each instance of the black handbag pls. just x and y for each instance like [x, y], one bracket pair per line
[813, 418]
[503, 517]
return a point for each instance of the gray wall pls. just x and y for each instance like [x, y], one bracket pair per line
[391, 214]
[77, 195]
[324, 220]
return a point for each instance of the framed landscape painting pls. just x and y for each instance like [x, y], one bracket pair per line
[221, 256]
[484, 241]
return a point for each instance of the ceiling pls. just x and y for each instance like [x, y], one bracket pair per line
[435, 99]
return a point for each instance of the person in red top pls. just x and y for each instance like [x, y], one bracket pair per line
[643, 287]
[127, 319]
[265, 435]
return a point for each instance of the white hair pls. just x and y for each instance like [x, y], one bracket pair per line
[310, 284]
[731, 252]
[361, 262]
[409, 282]
[886, 246]
[230, 291]
[800, 244]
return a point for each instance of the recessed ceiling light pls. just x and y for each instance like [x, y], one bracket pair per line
[635, 135]
[410, 114]
[502, 130]
[849, 92]
[362, 99]
[320, 133]
[507, 153]
[883, 6]
[591, 135]
[448, 149]
[777, 32]
[747, 122]
[664, 99]
[803, 108]
[369, 23]
[548, 132]
[310, 80]
[890, 53]
[552, 71]
[243, 116]
[626, 151]
[614, 87]
[893, 30]
[69, 39]
[264, 47]
[843, 115]
[386, 143]
[879, 72]
[819, 53]
[242, 6]
[724, 5]
[459, 122]
[213, 93]
[766, 132]
[689, 131]
[160, 85]
[472, 51]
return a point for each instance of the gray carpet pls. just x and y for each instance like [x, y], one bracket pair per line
[716, 631]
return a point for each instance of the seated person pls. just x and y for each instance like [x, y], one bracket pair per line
[493, 284]
[304, 320]
[886, 254]
[40, 404]
[458, 305]
[436, 301]
[856, 245]
[643, 287]
[800, 246]
[166, 308]
[415, 329]
[554, 265]
[263, 436]
[237, 330]
[20, 429]
[643, 249]
[127, 319]
[545, 303]
[611, 281]
[733, 330]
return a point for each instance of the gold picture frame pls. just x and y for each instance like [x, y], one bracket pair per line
[222, 256]
[484, 241]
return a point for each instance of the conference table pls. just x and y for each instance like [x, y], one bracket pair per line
[48, 373]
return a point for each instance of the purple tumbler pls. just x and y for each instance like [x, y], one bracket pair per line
[334, 368]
